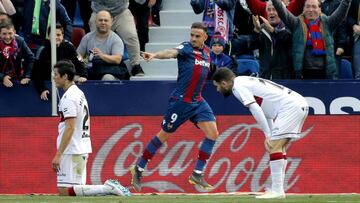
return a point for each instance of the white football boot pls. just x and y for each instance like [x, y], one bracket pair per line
[115, 188]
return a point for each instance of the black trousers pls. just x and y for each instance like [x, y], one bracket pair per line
[141, 14]
[85, 11]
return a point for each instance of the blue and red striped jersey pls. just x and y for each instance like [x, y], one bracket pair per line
[193, 68]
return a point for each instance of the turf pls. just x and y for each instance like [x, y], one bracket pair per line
[348, 198]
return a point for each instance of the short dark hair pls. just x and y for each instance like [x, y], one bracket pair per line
[7, 23]
[199, 25]
[65, 66]
[223, 74]
[58, 26]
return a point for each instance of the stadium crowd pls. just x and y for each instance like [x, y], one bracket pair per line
[295, 39]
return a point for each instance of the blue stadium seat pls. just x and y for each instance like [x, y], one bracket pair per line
[345, 71]
[247, 67]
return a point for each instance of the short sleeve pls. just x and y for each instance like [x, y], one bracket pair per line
[117, 47]
[82, 46]
[69, 108]
[182, 48]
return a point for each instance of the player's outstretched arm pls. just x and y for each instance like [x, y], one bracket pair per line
[165, 54]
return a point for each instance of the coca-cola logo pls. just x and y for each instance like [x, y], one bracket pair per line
[227, 170]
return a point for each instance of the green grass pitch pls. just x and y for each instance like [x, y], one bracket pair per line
[231, 198]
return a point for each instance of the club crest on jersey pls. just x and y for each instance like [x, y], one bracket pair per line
[202, 63]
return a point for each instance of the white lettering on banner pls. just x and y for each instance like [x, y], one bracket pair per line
[336, 105]
[202, 63]
[180, 156]
[105, 149]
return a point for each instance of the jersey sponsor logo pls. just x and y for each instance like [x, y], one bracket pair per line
[202, 63]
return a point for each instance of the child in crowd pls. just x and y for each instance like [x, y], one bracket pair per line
[218, 57]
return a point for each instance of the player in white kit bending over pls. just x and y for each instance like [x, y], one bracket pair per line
[73, 142]
[279, 111]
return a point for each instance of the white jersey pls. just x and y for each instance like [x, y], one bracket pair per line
[270, 96]
[73, 104]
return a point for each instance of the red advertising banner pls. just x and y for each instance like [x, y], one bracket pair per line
[325, 160]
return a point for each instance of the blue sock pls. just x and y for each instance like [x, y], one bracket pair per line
[149, 152]
[204, 153]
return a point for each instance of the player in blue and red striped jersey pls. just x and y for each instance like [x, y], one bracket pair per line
[185, 103]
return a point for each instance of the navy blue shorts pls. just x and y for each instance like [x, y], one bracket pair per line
[178, 112]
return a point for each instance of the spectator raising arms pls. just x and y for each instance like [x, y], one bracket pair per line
[275, 41]
[313, 42]
[258, 7]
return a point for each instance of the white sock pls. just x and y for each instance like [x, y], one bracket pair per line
[277, 169]
[90, 190]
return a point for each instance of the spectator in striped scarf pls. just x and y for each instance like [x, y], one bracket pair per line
[313, 42]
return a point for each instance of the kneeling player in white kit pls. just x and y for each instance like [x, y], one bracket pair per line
[279, 111]
[73, 142]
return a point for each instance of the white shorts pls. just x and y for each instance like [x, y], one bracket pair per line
[289, 122]
[72, 170]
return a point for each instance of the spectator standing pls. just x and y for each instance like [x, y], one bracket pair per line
[124, 26]
[340, 33]
[186, 103]
[42, 66]
[6, 6]
[214, 17]
[313, 43]
[37, 20]
[155, 13]
[85, 11]
[104, 49]
[73, 144]
[141, 12]
[13, 50]
[354, 24]
[258, 7]
[274, 45]
[18, 16]
[243, 42]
